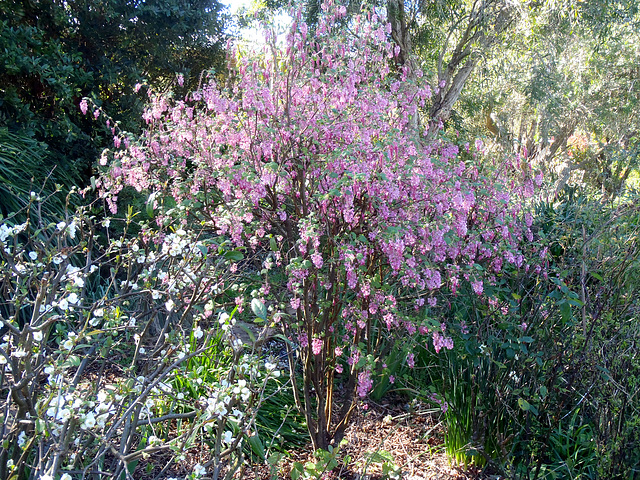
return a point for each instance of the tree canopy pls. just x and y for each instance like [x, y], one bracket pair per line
[54, 53]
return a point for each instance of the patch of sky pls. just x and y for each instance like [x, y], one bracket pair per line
[248, 31]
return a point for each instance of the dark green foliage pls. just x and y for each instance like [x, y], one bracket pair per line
[21, 161]
[54, 53]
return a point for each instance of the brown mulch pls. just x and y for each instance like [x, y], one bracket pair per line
[413, 438]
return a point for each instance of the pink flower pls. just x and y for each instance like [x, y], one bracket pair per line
[316, 346]
[84, 106]
[354, 358]
[316, 258]
[477, 287]
[392, 379]
[440, 341]
[339, 368]
[295, 303]
[411, 361]
[364, 383]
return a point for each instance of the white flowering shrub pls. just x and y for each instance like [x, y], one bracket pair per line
[118, 351]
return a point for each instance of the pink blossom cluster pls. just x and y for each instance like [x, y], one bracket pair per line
[364, 383]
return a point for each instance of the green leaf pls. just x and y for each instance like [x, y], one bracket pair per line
[524, 405]
[575, 302]
[150, 201]
[297, 470]
[256, 446]
[234, 255]
[259, 309]
[275, 458]
[40, 425]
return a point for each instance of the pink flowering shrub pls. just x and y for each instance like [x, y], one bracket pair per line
[313, 162]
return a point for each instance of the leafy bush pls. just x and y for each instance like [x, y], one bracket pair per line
[542, 380]
[118, 349]
[313, 163]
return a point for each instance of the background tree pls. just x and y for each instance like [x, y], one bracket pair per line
[55, 53]
[563, 92]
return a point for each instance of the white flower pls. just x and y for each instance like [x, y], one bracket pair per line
[89, 421]
[72, 229]
[79, 281]
[57, 259]
[19, 353]
[63, 304]
[198, 470]
[46, 477]
[102, 420]
[4, 232]
[132, 322]
[22, 439]
[228, 437]
[73, 298]
[61, 226]
[246, 394]
[98, 312]
[198, 333]
[37, 335]
[169, 305]
[66, 476]
[69, 342]
[33, 255]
